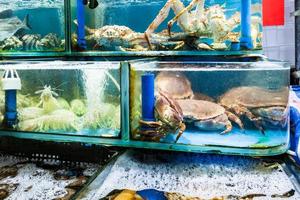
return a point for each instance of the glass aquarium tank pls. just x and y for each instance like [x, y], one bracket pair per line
[214, 106]
[64, 97]
[32, 26]
[211, 26]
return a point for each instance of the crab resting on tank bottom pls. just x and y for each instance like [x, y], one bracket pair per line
[259, 105]
[208, 115]
[122, 38]
[169, 116]
[113, 38]
[177, 105]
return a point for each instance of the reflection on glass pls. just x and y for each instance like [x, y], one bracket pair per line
[32, 25]
[165, 25]
[68, 98]
[215, 104]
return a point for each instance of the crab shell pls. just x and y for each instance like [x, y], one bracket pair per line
[204, 114]
[255, 97]
[268, 104]
[110, 31]
[204, 97]
[112, 37]
[174, 84]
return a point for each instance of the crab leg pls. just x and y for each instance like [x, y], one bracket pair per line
[258, 124]
[233, 21]
[150, 133]
[235, 119]
[176, 5]
[155, 131]
[181, 130]
[151, 124]
[183, 22]
[244, 111]
[228, 128]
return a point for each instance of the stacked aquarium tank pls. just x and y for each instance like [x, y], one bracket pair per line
[32, 26]
[211, 26]
[69, 98]
[221, 107]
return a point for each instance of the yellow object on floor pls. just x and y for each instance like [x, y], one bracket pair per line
[128, 195]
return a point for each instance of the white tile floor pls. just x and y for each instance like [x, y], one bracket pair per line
[279, 41]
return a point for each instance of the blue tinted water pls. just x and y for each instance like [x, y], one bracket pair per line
[214, 80]
[216, 83]
[92, 83]
[139, 15]
[236, 138]
[43, 20]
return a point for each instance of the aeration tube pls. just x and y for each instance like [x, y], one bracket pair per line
[11, 82]
[10, 108]
[148, 98]
[81, 42]
[246, 40]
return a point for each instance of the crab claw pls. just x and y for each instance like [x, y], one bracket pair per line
[228, 128]
[181, 130]
[235, 119]
[150, 124]
[258, 124]
[146, 35]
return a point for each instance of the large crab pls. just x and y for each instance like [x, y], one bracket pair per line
[122, 38]
[176, 85]
[207, 115]
[169, 119]
[199, 22]
[112, 37]
[258, 105]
